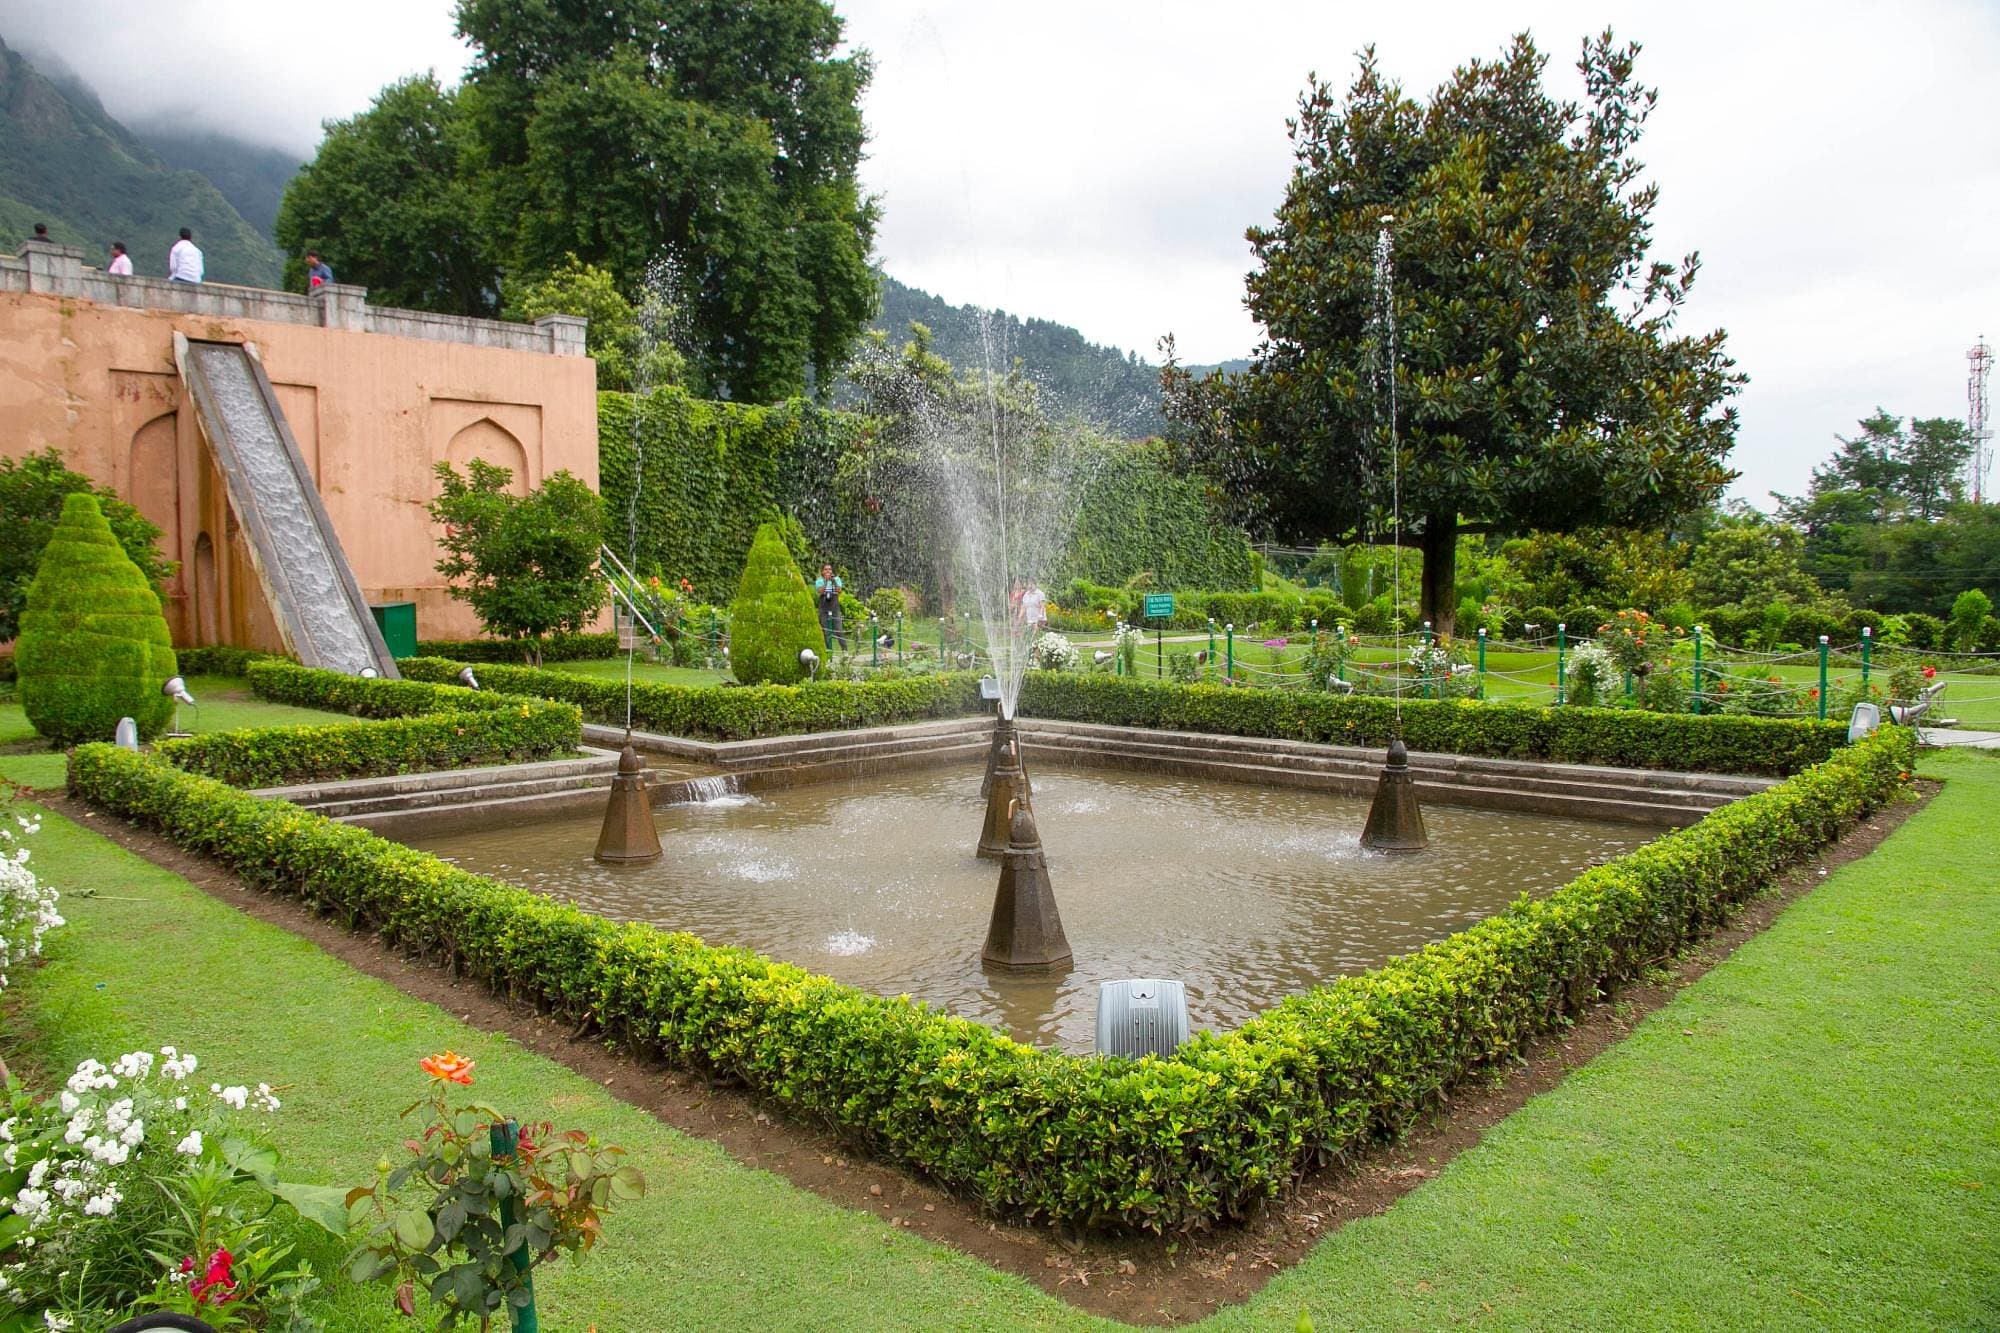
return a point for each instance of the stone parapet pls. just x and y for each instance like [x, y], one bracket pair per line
[58, 270]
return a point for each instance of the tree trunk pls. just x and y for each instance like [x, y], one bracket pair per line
[1440, 595]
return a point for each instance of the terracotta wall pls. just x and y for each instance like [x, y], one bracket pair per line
[372, 413]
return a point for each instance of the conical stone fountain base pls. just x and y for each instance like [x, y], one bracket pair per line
[1395, 820]
[1006, 786]
[628, 835]
[1026, 933]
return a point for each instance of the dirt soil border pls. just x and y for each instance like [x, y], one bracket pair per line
[1141, 1280]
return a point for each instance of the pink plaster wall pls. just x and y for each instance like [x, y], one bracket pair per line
[372, 414]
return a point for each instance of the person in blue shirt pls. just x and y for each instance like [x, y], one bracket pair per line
[826, 594]
[317, 273]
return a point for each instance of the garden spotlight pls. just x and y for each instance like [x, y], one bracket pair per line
[810, 661]
[176, 688]
[369, 673]
[467, 679]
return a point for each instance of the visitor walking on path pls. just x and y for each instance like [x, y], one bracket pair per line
[121, 263]
[184, 260]
[826, 592]
[1034, 611]
[317, 273]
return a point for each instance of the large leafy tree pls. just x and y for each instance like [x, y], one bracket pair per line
[388, 201]
[1539, 383]
[717, 142]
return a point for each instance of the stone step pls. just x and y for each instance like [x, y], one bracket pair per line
[314, 793]
[860, 749]
[459, 796]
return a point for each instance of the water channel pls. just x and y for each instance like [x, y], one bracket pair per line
[1246, 893]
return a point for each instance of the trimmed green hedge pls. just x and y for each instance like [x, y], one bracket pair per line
[414, 726]
[1625, 738]
[281, 756]
[729, 712]
[1154, 1145]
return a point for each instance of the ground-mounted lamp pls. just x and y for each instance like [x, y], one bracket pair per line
[467, 679]
[127, 735]
[810, 661]
[176, 689]
[629, 834]
[1101, 656]
[1141, 1017]
[370, 673]
[1026, 932]
[1395, 820]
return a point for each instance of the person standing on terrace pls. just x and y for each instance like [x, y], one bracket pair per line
[184, 260]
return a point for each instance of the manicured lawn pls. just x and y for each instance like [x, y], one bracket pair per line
[613, 668]
[1802, 1139]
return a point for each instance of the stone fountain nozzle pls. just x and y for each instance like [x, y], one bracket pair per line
[1005, 785]
[1395, 819]
[629, 835]
[1026, 931]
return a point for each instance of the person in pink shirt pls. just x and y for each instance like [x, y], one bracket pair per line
[121, 263]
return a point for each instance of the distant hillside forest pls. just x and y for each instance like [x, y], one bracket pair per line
[65, 162]
[1116, 392]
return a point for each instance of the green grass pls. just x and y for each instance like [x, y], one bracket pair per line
[1802, 1139]
[613, 668]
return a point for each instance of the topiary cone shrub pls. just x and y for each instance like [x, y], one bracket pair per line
[773, 616]
[94, 646]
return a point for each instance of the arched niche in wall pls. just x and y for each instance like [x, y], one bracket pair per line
[491, 442]
[207, 593]
[154, 482]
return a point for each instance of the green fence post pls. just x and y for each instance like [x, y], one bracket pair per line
[1822, 677]
[1867, 642]
[1697, 671]
[505, 1141]
[1482, 661]
[1425, 679]
[1229, 642]
[1211, 640]
[1562, 659]
[899, 638]
[714, 639]
[1341, 670]
[874, 642]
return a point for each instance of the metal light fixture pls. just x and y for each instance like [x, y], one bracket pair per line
[810, 661]
[176, 688]
[467, 679]
[370, 673]
[1100, 657]
[127, 735]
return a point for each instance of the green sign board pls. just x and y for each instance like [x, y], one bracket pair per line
[1159, 605]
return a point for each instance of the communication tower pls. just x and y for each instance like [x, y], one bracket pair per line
[1981, 360]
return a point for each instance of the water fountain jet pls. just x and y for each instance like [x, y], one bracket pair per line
[1005, 788]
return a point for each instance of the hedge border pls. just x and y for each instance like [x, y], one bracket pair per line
[413, 726]
[1618, 737]
[1156, 1145]
[729, 712]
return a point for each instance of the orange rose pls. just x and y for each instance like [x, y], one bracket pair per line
[450, 1066]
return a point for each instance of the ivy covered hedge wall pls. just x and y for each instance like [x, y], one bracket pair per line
[709, 472]
[1160, 1145]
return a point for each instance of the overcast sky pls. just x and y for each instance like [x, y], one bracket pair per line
[1097, 163]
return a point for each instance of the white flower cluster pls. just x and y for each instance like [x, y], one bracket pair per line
[27, 906]
[1593, 675]
[1052, 652]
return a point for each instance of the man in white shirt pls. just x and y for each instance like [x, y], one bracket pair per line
[184, 260]
[121, 263]
[1034, 611]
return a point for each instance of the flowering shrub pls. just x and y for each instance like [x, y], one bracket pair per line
[478, 1207]
[1125, 643]
[1593, 678]
[27, 906]
[1052, 652]
[133, 1187]
[1434, 665]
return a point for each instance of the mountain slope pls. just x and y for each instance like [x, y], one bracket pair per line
[1118, 392]
[250, 176]
[65, 162]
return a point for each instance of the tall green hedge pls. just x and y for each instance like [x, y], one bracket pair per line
[728, 713]
[1161, 1145]
[1137, 514]
[94, 646]
[772, 619]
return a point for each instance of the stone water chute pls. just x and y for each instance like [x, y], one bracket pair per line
[319, 608]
